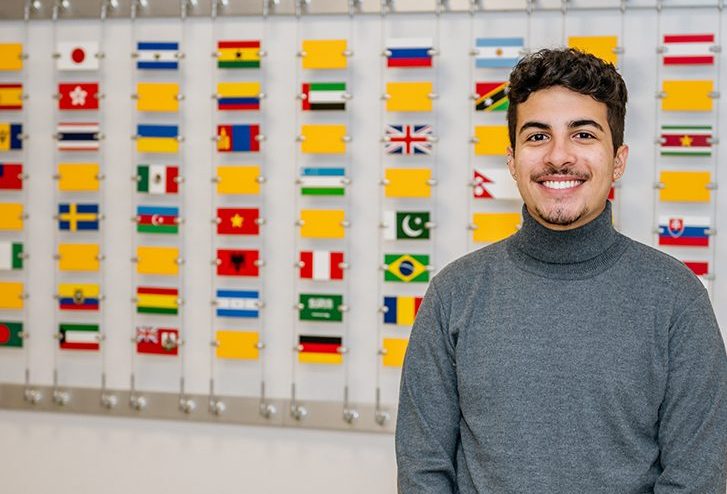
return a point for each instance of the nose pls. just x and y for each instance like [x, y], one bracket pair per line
[560, 152]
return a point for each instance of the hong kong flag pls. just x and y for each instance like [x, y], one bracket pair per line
[78, 96]
[237, 262]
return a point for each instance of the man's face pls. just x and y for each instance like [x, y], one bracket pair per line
[563, 160]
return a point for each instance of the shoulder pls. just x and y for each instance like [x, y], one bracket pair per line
[463, 271]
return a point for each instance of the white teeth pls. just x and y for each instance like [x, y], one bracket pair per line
[569, 184]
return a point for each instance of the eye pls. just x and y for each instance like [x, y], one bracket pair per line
[537, 137]
[584, 135]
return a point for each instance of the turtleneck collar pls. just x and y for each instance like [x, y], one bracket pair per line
[569, 254]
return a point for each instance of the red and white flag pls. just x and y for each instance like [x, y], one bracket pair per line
[78, 96]
[158, 341]
[688, 49]
[77, 55]
[321, 265]
[494, 184]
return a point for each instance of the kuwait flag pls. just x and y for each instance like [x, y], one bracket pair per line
[11, 255]
[324, 96]
[11, 334]
[686, 140]
[689, 231]
[157, 219]
[238, 303]
[157, 179]
[688, 49]
[322, 181]
[79, 337]
[156, 300]
[11, 176]
[321, 265]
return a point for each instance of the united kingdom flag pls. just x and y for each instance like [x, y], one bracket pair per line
[408, 139]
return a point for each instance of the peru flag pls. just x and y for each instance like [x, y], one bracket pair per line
[321, 265]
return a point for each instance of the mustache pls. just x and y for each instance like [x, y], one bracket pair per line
[565, 172]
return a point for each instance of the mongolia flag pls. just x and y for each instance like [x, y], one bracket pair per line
[690, 231]
[409, 52]
[233, 138]
[688, 49]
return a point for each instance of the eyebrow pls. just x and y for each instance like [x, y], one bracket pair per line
[572, 125]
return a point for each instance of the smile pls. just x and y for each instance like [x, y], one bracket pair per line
[561, 184]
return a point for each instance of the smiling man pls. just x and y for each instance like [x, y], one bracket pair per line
[567, 358]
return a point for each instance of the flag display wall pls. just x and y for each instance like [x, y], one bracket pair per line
[233, 189]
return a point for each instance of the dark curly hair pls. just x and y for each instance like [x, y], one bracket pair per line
[575, 70]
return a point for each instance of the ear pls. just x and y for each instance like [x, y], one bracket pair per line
[619, 162]
[511, 162]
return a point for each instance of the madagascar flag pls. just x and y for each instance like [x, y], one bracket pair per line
[237, 262]
[319, 349]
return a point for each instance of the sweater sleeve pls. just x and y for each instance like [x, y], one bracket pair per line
[693, 414]
[427, 431]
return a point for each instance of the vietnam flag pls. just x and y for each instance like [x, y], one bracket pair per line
[238, 221]
[237, 262]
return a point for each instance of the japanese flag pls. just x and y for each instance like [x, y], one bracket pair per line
[77, 55]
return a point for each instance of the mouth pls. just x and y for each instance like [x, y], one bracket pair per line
[560, 182]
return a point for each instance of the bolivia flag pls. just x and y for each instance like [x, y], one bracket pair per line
[155, 300]
[79, 337]
[238, 54]
[319, 349]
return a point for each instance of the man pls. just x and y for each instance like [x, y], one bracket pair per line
[567, 358]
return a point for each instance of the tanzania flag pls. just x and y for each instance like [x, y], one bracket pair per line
[243, 137]
[238, 96]
[156, 300]
[10, 136]
[319, 349]
[79, 337]
[491, 96]
[324, 96]
[238, 54]
[11, 334]
[406, 268]
[686, 140]
[73, 217]
[157, 219]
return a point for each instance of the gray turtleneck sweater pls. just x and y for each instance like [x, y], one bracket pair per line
[564, 362]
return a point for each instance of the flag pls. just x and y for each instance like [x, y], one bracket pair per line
[493, 227]
[11, 334]
[324, 53]
[157, 300]
[238, 303]
[157, 341]
[157, 179]
[409, 96]
[407, 182]
[78, 257]
[320, 307]
[11, 255]
[322, 223]
[494, 184]
[686, 140]
[408, 139]
[79, 337]
[238, 95]
[406, 268]
[401, 310]
[492, 96]
[78, 136]
[78, 296]
[322, 181]
[153, 138]
[157, 260]
[11, 295]
[78, 96]
[11, 136]
[321, 265]
[691, 95]
[78, 177]
[393, 352]
[685, 186]
[74, 217]
[323, 139]
[242, 137]
[238, 221]
[157, 219]
[11, 96]
[406, 225]
[319, 349]
[239, 345]
[691, 231]
[699, 268]
[604, 47]
[409, 52]
[11, 176]
[238, 54]
[77, 55]
[11, 216]
[491, 140]
[11, 56]
[498, 52]
[688, 49]
[238, 179]
[237, 262]
[157, 55]
[323, 96]
[157, 96]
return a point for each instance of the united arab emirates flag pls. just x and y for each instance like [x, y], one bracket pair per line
[324, 96]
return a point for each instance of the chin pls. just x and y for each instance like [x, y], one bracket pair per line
[561, 216]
